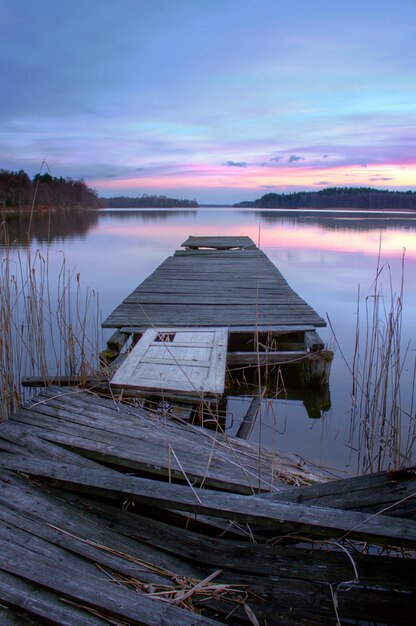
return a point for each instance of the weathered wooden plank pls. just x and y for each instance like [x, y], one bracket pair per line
[221, 460]
[119, 602]
[39, 604]
[20, 440]
[278, 329]
[165, 298]
[313, 341]
[135, 316]
[183, 288]
[80, 528]
[137, 570]
[153, 454]
[256, 558]
[179, 360]
[391, 493]
[109, 550]
[310, 521]
[62, 381]
[247, 424]
[219, 242]
[286, 563]
[82, 407]
[266, 358]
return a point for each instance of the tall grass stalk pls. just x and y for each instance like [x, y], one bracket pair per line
[383, 431]
[49, 324]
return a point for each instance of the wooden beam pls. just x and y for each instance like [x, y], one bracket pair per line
[246, 427]
[284, 517]
[117, 340]
[115, 600]
[284, 356]
[313, 341]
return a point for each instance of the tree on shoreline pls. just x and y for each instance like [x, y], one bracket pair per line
[146, 201]
[336, 198]
[17, 191]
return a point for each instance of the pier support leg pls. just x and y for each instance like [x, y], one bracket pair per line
[317, 367]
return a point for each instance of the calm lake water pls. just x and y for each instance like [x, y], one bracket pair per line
[326, 258]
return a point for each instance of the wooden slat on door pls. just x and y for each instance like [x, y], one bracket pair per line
[177, 359]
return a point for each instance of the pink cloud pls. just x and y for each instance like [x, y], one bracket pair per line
[252, 177]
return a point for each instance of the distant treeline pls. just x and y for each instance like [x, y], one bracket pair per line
[17, 191]
[336, 198]
[145, 201]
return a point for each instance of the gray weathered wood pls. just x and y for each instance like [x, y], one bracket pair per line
[307, 520]
[94, 426]
[218, 242]
[313, 341]
[214, 288]
[183, 360]
[117, 341]
[247, 424]
[391, 493]
[39, 604]
[52, 534]
[136, 607]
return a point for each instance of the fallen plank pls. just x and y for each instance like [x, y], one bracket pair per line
[222, 461]
[153, 454]
[70, 527]
[274, 467]
[39, 604]
[256, 558]
[118, 602]
[390, 493]
[245, 429]
[306, 520]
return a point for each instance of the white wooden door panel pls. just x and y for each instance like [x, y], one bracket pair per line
[190, 361]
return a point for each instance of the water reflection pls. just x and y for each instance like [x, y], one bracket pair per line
[354, 220]
[324, 257]
[149, 215]
[339, 219]
[48, 226]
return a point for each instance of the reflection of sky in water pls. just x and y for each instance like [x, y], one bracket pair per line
[325, 265]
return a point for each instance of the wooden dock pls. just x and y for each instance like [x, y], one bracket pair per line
[111, 514]
[232, 285]
[224, 287]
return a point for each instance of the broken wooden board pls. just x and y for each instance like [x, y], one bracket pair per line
[219, 243]
[284, 518]
[98, 541]
[137, 440]
[177, 359]
[67, 557]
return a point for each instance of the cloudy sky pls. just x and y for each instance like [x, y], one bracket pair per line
[218, 100]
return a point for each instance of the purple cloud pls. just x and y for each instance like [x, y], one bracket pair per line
[294, 158]
[236, 163]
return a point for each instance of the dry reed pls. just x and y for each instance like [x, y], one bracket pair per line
[382, 429]
[49, 324]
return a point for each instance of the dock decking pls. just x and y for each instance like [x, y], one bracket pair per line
[111, 514]
[215, 281]
[221, 285]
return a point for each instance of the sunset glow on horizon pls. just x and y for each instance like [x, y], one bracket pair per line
[266, 179]
[392, 244]
[221, 102]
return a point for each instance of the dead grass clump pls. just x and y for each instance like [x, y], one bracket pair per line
[49, 324]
